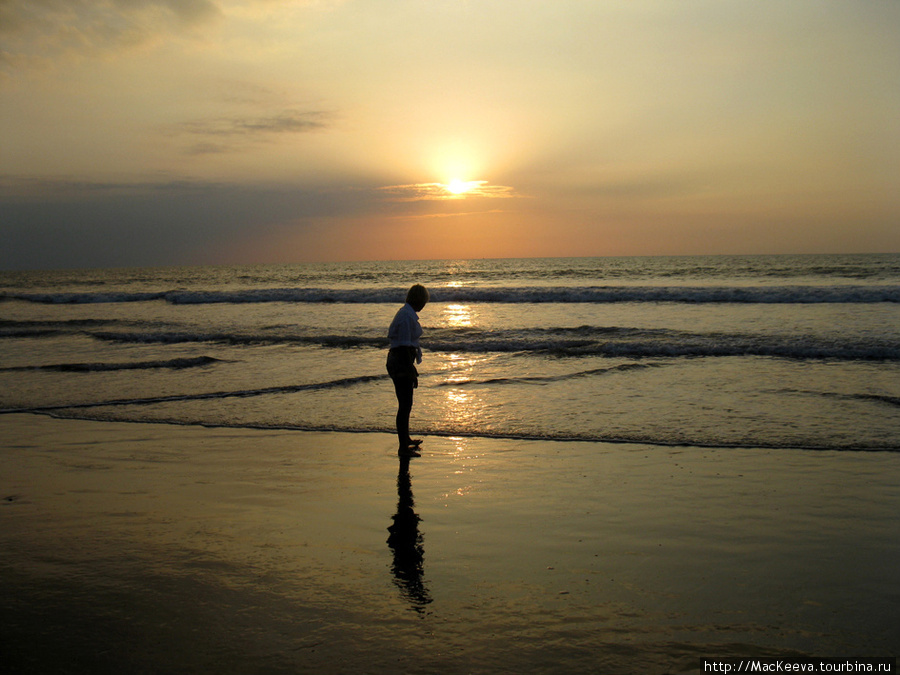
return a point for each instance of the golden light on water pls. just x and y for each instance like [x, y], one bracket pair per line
[458, 316]
[463, 461]
[461, 406]
[461, 367]
[459, 401]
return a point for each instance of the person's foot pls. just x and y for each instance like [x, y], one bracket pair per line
[415, 441]
[410, 451]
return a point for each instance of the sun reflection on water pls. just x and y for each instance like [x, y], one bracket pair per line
[459, 369]
[462, 460]
[462, 405]
[458, 316]
[461, 408]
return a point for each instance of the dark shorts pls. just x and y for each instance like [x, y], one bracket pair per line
[401, 363]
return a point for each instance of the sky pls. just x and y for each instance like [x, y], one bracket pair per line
[174, 132]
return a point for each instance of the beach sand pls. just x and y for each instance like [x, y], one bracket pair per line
[151, 548]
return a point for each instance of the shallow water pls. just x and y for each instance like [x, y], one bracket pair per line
[755, 351]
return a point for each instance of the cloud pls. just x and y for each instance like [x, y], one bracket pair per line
[66, 223]
[219, 134]
[15, 188]
[37, 31]
[440, 191]
[287, 122]
[461, 214]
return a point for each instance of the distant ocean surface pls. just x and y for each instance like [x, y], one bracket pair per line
[720, 351]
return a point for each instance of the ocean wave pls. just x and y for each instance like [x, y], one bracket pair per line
[852, 294]
[616, 341]
[547, 379]
[611, 341]
[83, 298]
[188, 362]
[677, 294]
[44, 328]
[879, 398]
[213, 395]
[644, 439]
[269, 338]
[141, 410]
[583, 341]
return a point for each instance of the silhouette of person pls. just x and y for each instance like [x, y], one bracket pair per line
[405, 352]
[405, 541]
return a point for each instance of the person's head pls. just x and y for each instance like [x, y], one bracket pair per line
[417, 297]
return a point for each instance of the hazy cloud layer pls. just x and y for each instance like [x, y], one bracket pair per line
[38, 30]
[155, 222]
[225, 134]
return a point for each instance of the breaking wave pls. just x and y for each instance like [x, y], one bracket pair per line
[581, 341]
[190, 362]
[240, 393]
[853, 294]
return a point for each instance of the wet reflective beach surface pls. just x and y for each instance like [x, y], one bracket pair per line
[153, 548]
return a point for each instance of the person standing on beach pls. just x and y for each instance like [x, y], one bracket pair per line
[404, 354]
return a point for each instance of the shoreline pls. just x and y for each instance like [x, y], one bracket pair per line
[49, 412]
[146, 547]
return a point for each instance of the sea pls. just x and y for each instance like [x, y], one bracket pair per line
[775, 352]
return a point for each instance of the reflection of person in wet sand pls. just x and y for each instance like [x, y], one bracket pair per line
[405, 352]
[405, 541]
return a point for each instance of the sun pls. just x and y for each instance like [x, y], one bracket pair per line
[457, 186]
[460, 187]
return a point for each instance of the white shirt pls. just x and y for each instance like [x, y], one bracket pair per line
[405, 330]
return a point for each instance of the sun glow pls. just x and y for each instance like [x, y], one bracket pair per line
[454, 189]
[460, 187]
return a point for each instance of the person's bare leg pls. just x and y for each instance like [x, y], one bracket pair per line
[403, 387]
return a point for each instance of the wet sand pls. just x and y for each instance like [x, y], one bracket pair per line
[163, 549]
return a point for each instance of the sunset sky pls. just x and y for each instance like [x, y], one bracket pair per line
[154, 132]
